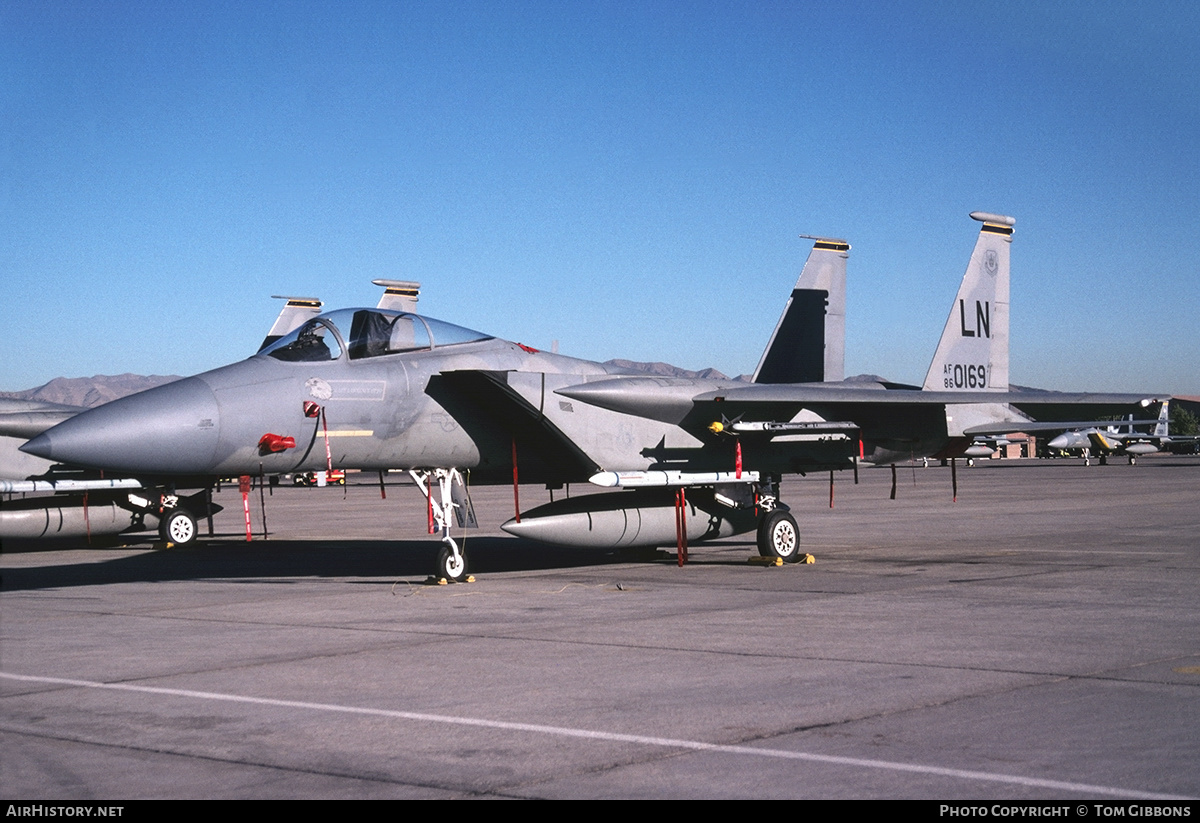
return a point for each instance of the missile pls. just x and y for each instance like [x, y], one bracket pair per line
[640, 517]
[640, 480]
[67, 485]
[797, 427]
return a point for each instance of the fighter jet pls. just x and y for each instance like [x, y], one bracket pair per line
[1122, 438]
[76, 502]
[21, 420]
[121, 503]
[379, 389]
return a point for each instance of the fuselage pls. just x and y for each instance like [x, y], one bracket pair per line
[373, 389]
[420, 403]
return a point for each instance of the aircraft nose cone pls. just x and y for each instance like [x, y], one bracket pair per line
[1059, 442]
[171, 429]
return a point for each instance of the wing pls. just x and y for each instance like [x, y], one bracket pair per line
[676, 401]
[485, 404]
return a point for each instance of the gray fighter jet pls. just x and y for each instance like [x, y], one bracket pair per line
[1121, 438]
[378, 389]
[75, 502]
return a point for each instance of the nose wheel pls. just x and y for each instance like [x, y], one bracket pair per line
[451, 563]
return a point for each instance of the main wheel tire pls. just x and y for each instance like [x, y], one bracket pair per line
[778, 536]
[449, 567]
[177, 526]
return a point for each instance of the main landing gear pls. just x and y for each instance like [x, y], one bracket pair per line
[778, 536]
[177, 515]
[452, 500]
[177, 526]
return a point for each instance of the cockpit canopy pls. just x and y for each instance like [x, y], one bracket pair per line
[365, 333]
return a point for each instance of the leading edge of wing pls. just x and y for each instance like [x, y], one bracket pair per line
[488, 394]
[670, 400]
[1058, 425]
[801, 393]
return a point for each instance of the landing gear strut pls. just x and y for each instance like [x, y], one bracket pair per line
[451, 560]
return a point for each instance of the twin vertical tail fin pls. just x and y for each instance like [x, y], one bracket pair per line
[292, 316]
[1163, 427]
[809, 341]
[972, 354]
[400, 295]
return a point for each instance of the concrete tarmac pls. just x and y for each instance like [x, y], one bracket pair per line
[1037, 639]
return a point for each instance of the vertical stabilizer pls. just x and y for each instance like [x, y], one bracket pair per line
[291, 317]
[809, 341]
[1163, 427]
[973, 352]
[399, 295]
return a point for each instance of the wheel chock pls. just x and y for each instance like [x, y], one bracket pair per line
[441, 581]
[759, 560]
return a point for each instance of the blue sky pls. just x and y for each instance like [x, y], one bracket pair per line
[629, 179]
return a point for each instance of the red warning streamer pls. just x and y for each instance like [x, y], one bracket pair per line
[429, 499]
[516, 492]
[681, 551]
[244, 488]
[328, 454]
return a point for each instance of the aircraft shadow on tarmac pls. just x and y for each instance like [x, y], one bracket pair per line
[229, 559]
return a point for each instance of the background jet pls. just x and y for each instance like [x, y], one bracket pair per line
[19, 421]
[1121, 438]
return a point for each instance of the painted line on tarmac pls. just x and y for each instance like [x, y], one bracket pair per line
[586, 734]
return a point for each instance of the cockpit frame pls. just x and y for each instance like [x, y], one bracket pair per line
[372, 333]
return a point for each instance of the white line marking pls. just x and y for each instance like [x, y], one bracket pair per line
[586, 734]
